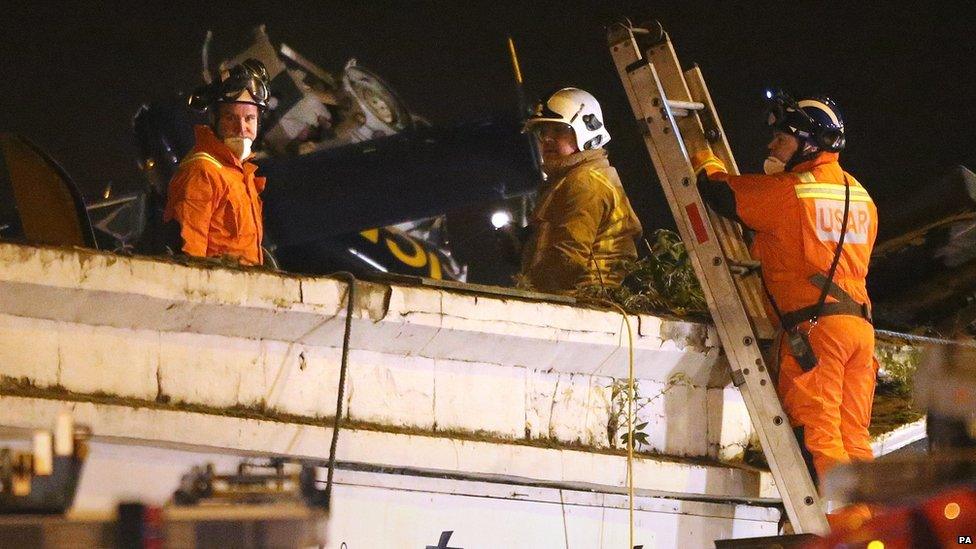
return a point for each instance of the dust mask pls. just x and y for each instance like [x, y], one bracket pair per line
[773, 165]
[240, 146]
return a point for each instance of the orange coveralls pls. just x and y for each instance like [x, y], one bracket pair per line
[797, 219]
[214, 197]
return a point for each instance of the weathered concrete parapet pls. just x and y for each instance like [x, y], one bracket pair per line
[414, 487]
[423, 360]
[481, 459]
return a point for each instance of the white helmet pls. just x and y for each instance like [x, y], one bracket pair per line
[578, 110]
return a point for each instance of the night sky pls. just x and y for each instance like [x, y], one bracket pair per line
[73, 77]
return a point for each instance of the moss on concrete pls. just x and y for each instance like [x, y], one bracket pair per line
[22, 387]
[893, 403]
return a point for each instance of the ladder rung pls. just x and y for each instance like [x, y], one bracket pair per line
[744, 267]
[681, 109]
[685, 105]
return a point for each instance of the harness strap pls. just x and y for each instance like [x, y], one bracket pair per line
[846, 305]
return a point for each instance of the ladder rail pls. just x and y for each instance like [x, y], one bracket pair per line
[730, 233]
[676, 88]
[667, 140]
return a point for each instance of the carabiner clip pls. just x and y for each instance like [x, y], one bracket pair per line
[811, 324]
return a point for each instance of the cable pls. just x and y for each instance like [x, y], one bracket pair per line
[925, 339]
[630, 398]
[562, 507]
[350, 302]
[630, 420]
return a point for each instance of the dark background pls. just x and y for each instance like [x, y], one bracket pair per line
[71, 77]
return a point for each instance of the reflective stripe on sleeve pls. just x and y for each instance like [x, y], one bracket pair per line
[202, 156]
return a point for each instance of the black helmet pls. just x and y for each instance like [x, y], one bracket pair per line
[816, 120]
[244, 83]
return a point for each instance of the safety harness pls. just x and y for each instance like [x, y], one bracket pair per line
[799, 342]
[845, 305]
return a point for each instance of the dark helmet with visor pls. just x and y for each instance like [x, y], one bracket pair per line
[243, 83]
[815, 120]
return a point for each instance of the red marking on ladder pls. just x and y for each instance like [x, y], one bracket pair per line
[697, 222]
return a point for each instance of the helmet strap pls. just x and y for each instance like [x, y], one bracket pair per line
[213, 115]
[806, 151]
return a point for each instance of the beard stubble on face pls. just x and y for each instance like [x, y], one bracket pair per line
[232, 120]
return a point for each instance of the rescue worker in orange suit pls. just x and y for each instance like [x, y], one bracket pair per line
[214, 196]
[814, 265]
[582, 229]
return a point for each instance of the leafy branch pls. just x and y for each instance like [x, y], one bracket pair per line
[662, 282]
[618, 415]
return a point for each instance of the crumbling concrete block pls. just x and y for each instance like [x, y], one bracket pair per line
[29, 350]
[205, 369]
[581, 410]
[96, 359]
[476, 397]
[420, 359]
[391, 390]
[729, 427]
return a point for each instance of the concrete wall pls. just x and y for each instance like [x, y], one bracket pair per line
[423, 360]
[512, 400]
[405, 509]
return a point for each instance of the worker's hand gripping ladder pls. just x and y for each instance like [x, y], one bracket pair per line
[675, 114]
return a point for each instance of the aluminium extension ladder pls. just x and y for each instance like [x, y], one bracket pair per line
[676, 115]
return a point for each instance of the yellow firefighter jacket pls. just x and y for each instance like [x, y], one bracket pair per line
[582, 229]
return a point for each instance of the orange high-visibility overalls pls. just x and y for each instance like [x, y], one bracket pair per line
[215, 199]
[797, 218]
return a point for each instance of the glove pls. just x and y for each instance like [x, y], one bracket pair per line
[705, 161]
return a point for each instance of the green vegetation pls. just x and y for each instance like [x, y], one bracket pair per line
[617, 424]
[893, 404]
[663, 282]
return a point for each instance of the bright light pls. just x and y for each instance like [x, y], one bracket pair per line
[769, 94]
[875, 544]
[500, 219]
[366, 259]
[952, 511]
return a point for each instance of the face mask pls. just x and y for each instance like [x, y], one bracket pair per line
[240, 146]
[773, 165]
